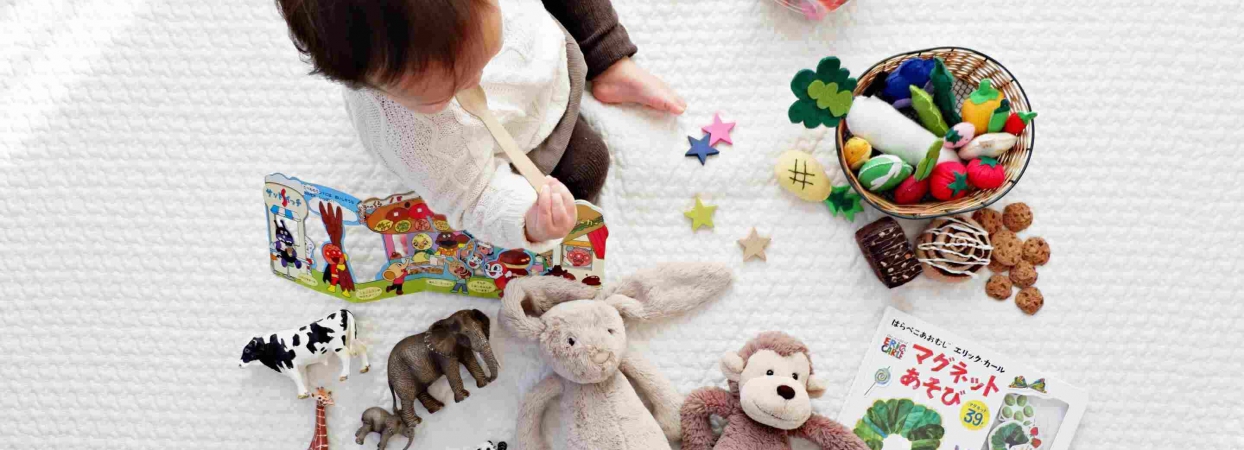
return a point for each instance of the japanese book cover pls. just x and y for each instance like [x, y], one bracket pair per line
[398, 245]
[923, 388]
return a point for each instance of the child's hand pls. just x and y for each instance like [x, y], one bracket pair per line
[553, 215]
[626, 82]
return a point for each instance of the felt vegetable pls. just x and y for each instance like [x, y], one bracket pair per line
[889, 131]
[992, 145]
[949, 181]
[931, 159]
[911, 191]
[822, 97]
[802, 175]
[928, 113]
[998, 119]
[857, 151]
[844, 200]
[883, 173]
[979, 106]
[986, 173]
[960, 135]
[912, 72]
[919, 427]
[943, 91]
[1018, 120]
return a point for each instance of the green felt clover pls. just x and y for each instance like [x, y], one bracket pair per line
[844, 200]
[822, 97]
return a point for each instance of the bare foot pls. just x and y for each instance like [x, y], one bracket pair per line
[626, 82]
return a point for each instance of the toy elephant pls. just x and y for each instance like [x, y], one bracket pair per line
[377, 420]
[581, 333]
[418, 361]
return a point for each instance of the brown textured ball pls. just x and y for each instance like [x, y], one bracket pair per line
[999, 287]
[1029, 300]
[1017, 217]
[1024, 274]
[1036, 251]
[996, 266]
[1007, 248]
[989, 218]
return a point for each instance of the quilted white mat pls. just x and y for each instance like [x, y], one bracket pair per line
[135, 135]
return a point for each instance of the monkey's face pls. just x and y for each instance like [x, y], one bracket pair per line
[773, 389]
[584, 341]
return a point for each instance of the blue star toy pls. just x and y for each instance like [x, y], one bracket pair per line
[700, 149]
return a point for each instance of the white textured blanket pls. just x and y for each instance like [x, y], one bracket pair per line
[135, 135]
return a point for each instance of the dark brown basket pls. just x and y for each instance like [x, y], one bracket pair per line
[968, 67]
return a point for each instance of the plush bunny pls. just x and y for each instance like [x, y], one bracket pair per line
[581, 333]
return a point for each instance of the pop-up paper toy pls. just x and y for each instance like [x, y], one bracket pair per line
[397, 246]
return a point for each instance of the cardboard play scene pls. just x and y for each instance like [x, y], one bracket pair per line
[368, 250]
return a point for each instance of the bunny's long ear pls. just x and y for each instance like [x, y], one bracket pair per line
[526, 299]
[668, 290]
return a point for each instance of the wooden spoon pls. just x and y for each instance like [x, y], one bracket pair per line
[475, 102]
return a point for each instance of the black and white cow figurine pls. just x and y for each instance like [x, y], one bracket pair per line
[291, 351]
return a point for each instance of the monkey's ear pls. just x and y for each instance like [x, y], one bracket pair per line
[816, 388]
[732, 365]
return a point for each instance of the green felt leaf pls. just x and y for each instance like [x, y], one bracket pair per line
[987, 161]
[998, 120]
[1026, 116]
[830, 70]
[829, 97]
[925, 168]
[953, 135]
[984, 92]
[959, 185]
[929, 115]
[844, 200]
[805, 112]
[1007, 436]
[799, 85]
[944, 92]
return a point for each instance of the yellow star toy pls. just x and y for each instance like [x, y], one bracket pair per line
[754, 246]
[700, 215]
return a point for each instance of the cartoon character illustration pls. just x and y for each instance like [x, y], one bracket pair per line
[494, 270]
[284, 248]
[540, 263]
[424, 255]
[475, 262]
[461, 275]
[515, 264]
[336, 272]
[396, 272]
[484, 249]
[578, 257]
[448, 243]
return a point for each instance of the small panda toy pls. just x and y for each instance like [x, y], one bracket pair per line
[490, 446]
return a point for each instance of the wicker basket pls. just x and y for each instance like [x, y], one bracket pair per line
[968, 67]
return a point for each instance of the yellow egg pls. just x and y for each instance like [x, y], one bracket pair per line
[857, 151]
[802, 175]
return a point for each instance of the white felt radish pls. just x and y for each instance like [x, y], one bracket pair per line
[991, 145]
[889, 131]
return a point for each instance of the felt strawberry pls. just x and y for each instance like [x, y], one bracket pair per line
[911, 191]
[1036, 442]
[985, 173]
[949, 181]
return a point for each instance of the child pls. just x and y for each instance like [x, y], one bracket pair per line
[402, 62]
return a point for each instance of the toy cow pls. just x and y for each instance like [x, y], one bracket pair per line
[291, 351]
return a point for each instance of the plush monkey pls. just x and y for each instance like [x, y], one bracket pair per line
[769, 401]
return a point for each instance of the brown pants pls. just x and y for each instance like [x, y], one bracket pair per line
[603, 41]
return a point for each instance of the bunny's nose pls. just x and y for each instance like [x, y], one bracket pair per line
[601, 357]
[786, 392]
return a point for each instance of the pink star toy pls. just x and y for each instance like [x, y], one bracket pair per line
[719, 131]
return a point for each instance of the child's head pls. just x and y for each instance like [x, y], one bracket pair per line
[418, 52]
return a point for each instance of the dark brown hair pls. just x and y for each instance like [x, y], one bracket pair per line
[358, 42]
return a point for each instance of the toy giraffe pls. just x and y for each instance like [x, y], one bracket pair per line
[322, 398]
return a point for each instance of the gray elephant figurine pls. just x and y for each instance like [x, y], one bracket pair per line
[377, 420]
[418, 361]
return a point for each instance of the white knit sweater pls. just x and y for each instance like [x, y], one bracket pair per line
[450, 159]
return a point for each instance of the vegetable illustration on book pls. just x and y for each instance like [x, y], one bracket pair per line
[397, 245]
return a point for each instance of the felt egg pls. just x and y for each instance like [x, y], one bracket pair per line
[889, 131]
[802, 175]
[960, 135]
[912, 72]
[991, 145]
[986, 173]
[1016, 123]
[979, 107]
[910, 191]
[883, 173]
[857, 151]
[949, 181]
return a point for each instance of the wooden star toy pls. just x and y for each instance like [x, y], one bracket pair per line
[701, 215]
[754, 246]
[718, 131]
